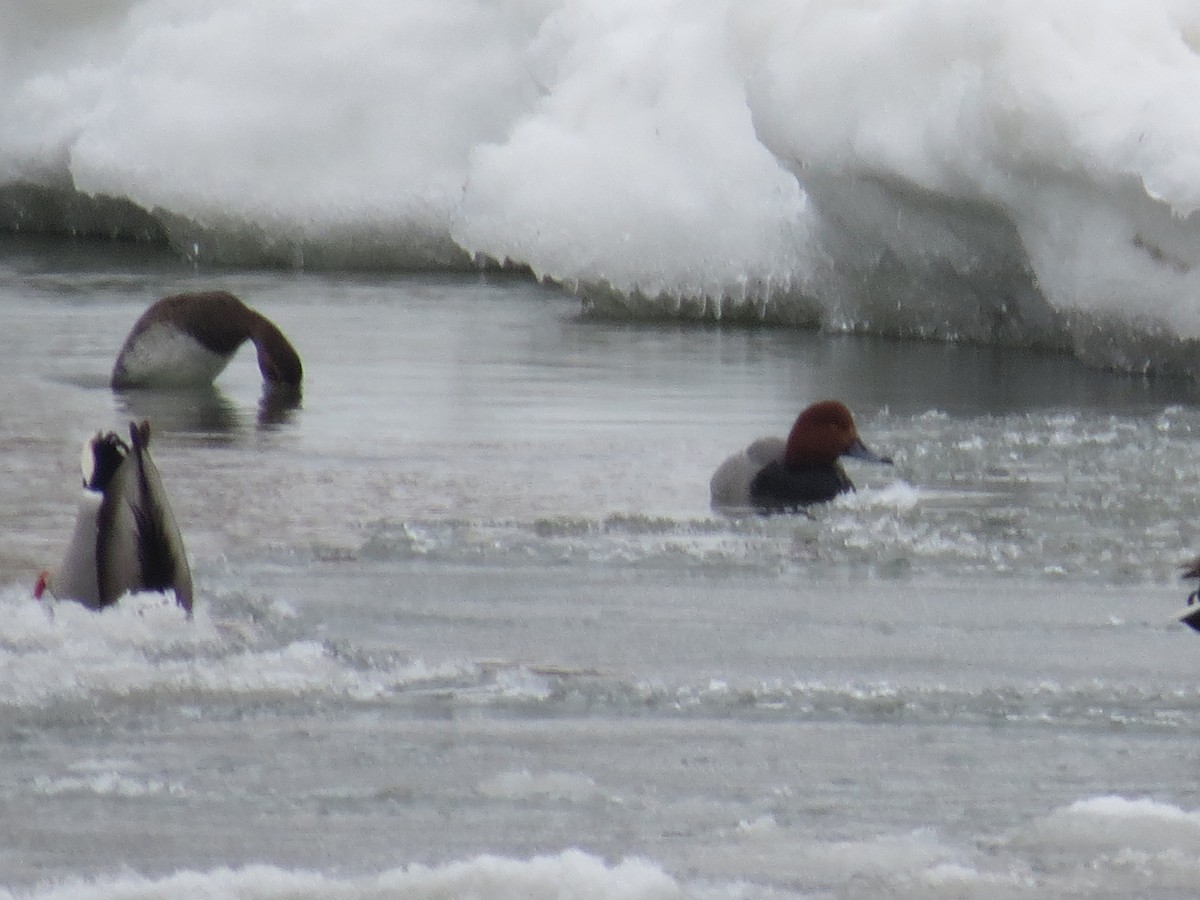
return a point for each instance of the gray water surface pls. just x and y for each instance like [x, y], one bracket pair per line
[468, 599]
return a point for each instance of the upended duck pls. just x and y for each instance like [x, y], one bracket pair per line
[774, 475]
[188, 339]
[125, 536]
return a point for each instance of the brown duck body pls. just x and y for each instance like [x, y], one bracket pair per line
[188, 339]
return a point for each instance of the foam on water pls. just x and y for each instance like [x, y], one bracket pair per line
[571, 873]
[1097, 847]
[106, 778]
[1113, 824]
[1103, 846]
[969, 497]
[1010, 172]
[60, 652]
[144, 650]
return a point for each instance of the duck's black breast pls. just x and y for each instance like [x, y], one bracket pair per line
[778, 486]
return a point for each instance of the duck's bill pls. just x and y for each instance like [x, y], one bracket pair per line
[859, 450]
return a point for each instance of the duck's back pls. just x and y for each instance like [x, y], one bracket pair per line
[730, 484]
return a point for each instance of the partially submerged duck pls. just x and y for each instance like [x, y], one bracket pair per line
[774, 475]
[125, 536]
[1191, 615]
[188, 339]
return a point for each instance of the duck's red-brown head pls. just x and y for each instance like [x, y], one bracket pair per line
[41, 585]
[822, 433]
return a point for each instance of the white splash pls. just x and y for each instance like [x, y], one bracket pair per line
[53, 652]
[569, 874]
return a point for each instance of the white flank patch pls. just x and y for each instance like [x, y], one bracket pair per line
[166, 357]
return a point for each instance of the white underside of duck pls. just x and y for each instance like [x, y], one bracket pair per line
[730, 484]
[76, 577]
[163, 356]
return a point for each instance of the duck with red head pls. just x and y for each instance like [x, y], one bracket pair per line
[125, 537]
[774, 475]
[188, 339]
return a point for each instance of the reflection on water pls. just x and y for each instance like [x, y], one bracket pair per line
[193, 410]
[203, 410]
[207, 410]
[277, 404]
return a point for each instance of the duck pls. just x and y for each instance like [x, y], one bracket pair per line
[188, 339]
[125, 537]
[774, 475]
[1191, 613]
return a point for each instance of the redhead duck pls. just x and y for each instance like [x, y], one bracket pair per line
[125, 538]
[188, 339]
[773, 475]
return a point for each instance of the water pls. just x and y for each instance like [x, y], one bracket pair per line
[465, 622]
